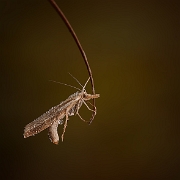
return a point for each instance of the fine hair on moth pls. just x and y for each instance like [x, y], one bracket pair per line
[52, 118]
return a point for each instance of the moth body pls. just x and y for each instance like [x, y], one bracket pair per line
[52, 117]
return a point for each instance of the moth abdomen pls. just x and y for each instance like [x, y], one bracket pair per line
[53, 134]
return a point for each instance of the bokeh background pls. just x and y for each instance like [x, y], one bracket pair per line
[133, 50]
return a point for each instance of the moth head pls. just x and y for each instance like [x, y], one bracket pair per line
[87, 96]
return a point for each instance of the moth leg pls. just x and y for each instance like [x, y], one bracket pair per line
[93, 106]
[81, 117]
[65, 125]
[90, 103]
[88, 106]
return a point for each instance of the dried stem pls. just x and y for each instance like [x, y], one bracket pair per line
[58, 10]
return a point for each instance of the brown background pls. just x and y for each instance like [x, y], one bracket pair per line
[133, 49]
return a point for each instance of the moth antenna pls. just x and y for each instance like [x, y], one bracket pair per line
[78, 81]
[65, 84]
[75, 79]
[86, 83]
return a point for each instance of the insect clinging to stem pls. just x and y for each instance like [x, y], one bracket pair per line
[52, 118]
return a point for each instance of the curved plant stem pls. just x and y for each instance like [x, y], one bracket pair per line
[58, 10]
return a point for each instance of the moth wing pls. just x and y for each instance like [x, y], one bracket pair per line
[44, 121]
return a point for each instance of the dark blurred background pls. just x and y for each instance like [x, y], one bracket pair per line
[133, 50]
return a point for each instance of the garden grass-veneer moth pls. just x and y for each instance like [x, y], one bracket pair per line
[52, 118]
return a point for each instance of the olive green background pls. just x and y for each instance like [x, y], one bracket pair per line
[133, 50]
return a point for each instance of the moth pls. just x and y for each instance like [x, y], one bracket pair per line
[52, 118]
